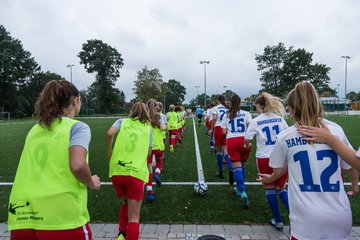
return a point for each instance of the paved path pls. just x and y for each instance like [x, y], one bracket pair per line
[102, 231]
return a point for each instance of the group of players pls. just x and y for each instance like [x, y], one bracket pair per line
[48, 199]
[302, 154]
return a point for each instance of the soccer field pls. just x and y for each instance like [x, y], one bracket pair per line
[176, 202]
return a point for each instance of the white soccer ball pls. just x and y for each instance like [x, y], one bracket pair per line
[200, 188]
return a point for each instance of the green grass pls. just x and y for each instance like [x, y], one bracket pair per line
[174, 204]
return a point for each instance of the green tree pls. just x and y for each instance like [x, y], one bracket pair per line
[16, 67]
[281, 68]
[105, 61]
[175, 93]
[353, 96]
[228, 94]
[149, 84]
[32, 88]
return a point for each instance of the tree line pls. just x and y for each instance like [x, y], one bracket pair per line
[22, 79]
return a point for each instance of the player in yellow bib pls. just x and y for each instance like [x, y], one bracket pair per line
[49, 196]
[172, 126]
[158, 146]
[128, 168]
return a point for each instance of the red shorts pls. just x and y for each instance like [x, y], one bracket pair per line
[80, 233]
[158, 155]
[219, 136]
[128, 187]
[263, 167]
[173, 132]
[236, 150]
[208, 124]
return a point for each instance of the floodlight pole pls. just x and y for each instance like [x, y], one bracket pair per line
[70, 66]
[204, 62]
[346, 58]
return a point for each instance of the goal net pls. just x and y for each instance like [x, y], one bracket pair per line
[4, 116]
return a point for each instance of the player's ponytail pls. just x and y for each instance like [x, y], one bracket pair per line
[235, 101]
[270, 104]
[171, 108]
[154, 116]
[304, 103]
[140, 111]
[159, 107]
[221, 99]
[53, 99]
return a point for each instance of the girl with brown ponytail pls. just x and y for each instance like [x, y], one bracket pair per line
[218, 113]
[158, 127]
[234, 125]
[53, 173]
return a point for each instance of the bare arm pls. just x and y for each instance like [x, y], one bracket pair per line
[109, 141]
[80, 169]
[267, 178]
[354, 178]
[163, 127]
[325, 136]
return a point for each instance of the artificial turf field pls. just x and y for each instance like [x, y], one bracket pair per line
[174, 203]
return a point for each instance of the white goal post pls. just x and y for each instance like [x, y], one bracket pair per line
[4, 116]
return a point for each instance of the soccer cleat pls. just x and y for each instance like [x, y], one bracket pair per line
[279, 226]
[245, 200]
[231, 177]
[237, 193]
[150, 197]
[220, 175]
[121, 237]
[171, 148]
[158, 180]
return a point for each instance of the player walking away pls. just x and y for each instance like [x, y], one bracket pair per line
[172, 126]
[234, 125]
[158, 146]
[159, 108]
[128, 169]
[209, 117]
[319, 206]
[49, 197]
[199, 114]
[181, 119]
[266, 127]
[218, 113]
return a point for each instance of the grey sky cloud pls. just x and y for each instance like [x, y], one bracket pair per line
[175, 35]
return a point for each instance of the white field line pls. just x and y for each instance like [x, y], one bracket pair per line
[178, 183]
[198, 157]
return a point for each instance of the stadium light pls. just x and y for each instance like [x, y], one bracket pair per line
[204, 62]
[346, 58]
[70, 66]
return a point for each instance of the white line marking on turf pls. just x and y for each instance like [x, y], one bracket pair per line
[179, 183]
[198, 157]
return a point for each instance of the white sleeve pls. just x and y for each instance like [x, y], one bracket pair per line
[358, 152]
[248, 117]
[214, 111]
[285, 124]
[278, 156]
[224, 121]
[251, 131]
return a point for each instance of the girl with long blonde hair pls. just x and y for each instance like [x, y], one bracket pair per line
[266, 127]
[316, 192]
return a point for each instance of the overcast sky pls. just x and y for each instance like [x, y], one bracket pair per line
[174, 35]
